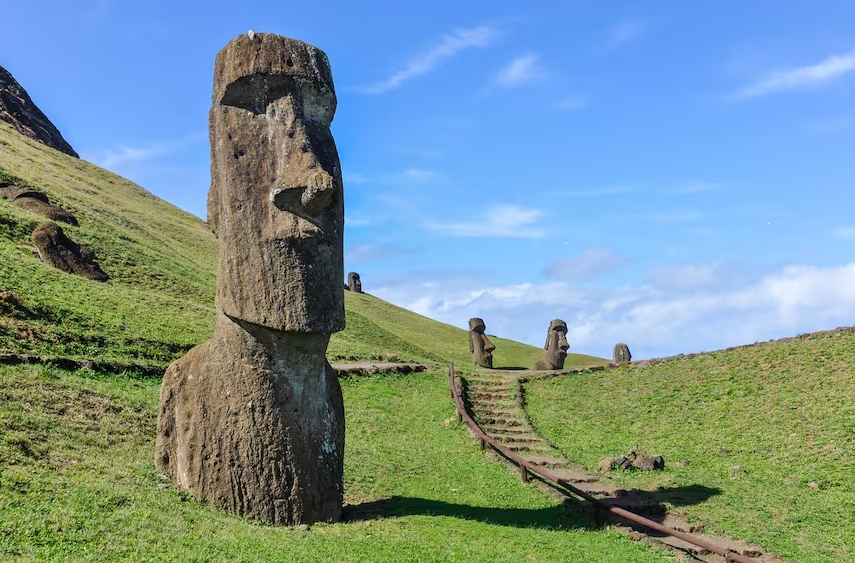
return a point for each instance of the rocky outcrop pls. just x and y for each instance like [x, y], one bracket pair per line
[18, 109]
[59, 251]
[253, 419]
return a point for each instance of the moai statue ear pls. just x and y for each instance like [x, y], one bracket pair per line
[471, 344]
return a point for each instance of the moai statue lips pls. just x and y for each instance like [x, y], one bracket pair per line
[555, 348]
[279, 218]
[479, 345]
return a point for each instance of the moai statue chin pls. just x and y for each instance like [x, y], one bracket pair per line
[621, 354]
[479, 345]
[253, 419]
[354, 283]
[555, 348]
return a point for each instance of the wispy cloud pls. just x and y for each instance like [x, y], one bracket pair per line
[445, 49]
[591, 264]
[574, 102]
[831, 68]
[844, 233]
[499, 221]
[597, 192]
[519, 71]
[111, 158]
[625, 32]
[695, 188]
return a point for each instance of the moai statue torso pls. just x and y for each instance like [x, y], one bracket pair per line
[479, 345]
[621, 354]
[555, 348]
[253, 419]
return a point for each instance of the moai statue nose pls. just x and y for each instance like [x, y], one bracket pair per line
[319, 193]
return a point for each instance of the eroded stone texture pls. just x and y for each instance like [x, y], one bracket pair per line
[36, 202]
[253, 420]
[18, 109]
[59, 251]
[621, 354]
[354, 283]
[479, 345]
[555, 348]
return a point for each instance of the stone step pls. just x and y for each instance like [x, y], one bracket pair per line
[528, 448]
[498, 431]
[483, 396]
[501, 413]
[573, 476]
[545, 461]
[492, 419]
[519, 439]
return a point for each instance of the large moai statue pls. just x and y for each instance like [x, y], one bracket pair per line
[253, 420]
[354, 283]
[555, 348]
[621, 354]
[479, 345]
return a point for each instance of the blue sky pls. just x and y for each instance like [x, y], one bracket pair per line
[673, 175]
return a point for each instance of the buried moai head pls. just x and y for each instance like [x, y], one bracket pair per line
[354, 283]
[556, 346]
[479, 345]
[621, 353]
[276, 200]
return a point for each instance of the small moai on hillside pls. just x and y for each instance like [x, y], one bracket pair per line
[555, 348]
[621, 354]
[479, 345]
[253, 419]
[354, 283]
[59, 251]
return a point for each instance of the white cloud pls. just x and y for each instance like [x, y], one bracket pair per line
[500, 221]
[831, 68]
[572, 103]
[521, 70]
[701, 316]
[447, 48]
[591, 264]
[111, 158]
[625, 32]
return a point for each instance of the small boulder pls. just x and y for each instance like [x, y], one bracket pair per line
[59, 251]
[640, 460]
[14, 192]
[613, 464]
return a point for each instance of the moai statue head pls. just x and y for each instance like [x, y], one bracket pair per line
[556, 344]
[353, 282]
[276, 199]
[621, 354]
[479, 345]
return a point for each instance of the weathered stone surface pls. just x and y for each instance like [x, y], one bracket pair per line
[479, 345]
[640, 460]
[354, 283]
[14, 192]
[555, 348]
[47, 210]
[276, 199]
[59, 251]
[18, 109]
[621, 354]
[253, 419]
[613, 463]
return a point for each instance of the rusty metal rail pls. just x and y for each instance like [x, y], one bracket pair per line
[527, 467]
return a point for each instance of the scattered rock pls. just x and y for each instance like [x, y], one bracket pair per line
[62, 253]
[814, 485]
[723, 451]
[163, 486]
[302, 528]
[613, 464]
[640, 460]
[737, 469]
[18, 109]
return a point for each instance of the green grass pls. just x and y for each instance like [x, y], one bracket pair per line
[78, 483]
[159, 301]
[762, 424]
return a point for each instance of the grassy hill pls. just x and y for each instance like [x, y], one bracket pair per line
[771, 426]
[159, 301]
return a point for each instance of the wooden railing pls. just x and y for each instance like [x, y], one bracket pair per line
[526, 468]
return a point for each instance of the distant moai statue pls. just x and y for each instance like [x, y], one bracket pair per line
[354, 283]
[556, 346]
[479, 345]
[621, 354]
[253, 419]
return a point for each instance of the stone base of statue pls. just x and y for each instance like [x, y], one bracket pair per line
[253, 421]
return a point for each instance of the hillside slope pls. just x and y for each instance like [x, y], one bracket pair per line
[159, 301]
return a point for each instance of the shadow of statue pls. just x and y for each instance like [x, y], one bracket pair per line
[573, 513]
